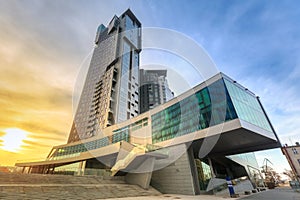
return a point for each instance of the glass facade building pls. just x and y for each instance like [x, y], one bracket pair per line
[215, 104]
[108, 128]
[219, 102]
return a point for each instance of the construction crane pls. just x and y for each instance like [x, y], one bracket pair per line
[269, 174]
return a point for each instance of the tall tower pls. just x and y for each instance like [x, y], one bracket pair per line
[154, 89]
[110, 92]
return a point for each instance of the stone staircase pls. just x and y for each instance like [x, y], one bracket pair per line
[39, 186]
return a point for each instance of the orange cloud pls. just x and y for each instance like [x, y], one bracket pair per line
[37, 76]
[33, 102]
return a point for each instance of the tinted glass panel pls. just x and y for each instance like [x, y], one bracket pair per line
[247, 106]
[119, 135]
[207, 107]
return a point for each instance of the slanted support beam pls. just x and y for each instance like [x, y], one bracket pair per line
[213, 175]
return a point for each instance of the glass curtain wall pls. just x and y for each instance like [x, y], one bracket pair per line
[122, 134]
[122, 114]
[247, 106]
[193, 113]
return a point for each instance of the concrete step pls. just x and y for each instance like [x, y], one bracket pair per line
[74, 192]
[38, 186]
[48, 179]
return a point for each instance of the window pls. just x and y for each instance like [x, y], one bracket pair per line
[192, 114]
[128, 115]
[247, 106]
[129, 96]
[128, 106]
[294, 150]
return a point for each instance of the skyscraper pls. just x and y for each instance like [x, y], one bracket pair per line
[110, 92]
[154, 89]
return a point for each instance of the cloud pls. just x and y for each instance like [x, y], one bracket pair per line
[33, 103]
[281, 101]
[44, 42]
[275, 156]
[42, 46]
[28, 144]
[2, 133]
[295, 72]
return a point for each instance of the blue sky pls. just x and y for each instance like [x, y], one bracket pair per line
[255, 42]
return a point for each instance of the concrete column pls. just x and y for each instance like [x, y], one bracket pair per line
[142, 179]
[81, 168]
[29, 170]
[177, 177]
[194, 171]
[213, 175]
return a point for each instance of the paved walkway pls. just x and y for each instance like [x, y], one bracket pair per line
[177, 196]
[281, 193]
[285, 193]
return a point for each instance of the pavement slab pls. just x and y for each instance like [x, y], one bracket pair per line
[62, 187]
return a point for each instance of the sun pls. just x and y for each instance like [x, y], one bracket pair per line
[13, 139]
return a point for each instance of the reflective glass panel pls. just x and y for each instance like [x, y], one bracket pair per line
[247, 106]
[207, 107]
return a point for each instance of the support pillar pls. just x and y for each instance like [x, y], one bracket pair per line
[81, 168]
[213, 175]
[142, 179]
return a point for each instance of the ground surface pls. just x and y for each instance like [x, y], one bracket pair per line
[20, 186]
[280, 193]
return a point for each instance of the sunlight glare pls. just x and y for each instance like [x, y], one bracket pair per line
[13, 139]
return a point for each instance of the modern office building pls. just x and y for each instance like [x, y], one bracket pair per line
[154, 89]
[110, 91]
[292, 154]
[188, 145]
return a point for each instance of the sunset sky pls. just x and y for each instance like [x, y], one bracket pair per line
[44, 43]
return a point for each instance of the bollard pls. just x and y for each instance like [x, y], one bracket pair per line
[247, 192]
